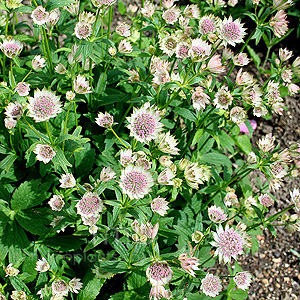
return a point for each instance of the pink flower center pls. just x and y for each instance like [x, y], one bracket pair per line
[89, 205]
[60, 286]
[43, 106]
[231, 31]
[170, 44]
[183, 51]
[159, 271]
[144, 125]
[11, 49]
[46, 152]
[40, 15]
[84, 30]
[16, 111]
[135, 182]
[207, 26]
[231, 242]
[198, 51]
[241, 278]
[170, 16]
[211, 284]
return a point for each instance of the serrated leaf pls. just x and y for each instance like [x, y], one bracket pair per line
[243, 142]
[254, 56]
[185, 113]
[84, 160]
[216, 159]
[30, 194]
[120, 248]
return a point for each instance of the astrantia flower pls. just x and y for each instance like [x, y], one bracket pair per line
[166, 176]
[182, 50]
[42, 265]
[199, 50]
[279, 23]
[295, 197]
[11, 271]
[242, 280]
[56, 203]
[231, 32]
[38, 62]
[266, 200]
[229, 243]
[44, 153]
[195, 174]
[23, 89]
[215, 65]
[123, 29]
[105, 120]
[266, 143]
[2, 297]
[282, 4]
[59, 287]
[83, 30]
[125, 47]
[136, 182]
[12, 4]
[159, 205]
[44, 105]
[39, 15]
[18, 295]
[207, 24]
[53, 17]
[200, 99]
[81, 85]
[10, 123]
[168, 44]
[278, 169]
[87, 17]
[158, 292]
[73, 8]
[159, 273]
[107, 174]
[197, 236]
[285, 54]
[89, 205]
[67, 181]
[223, 98]
[75, 285]
[231, 198]
[171, 15]
[293, 89]
[211, 285]
[11, 48]
[189, 264]
[167, 3]
[14, 110]
[145, 123]
[241, 59]
[148, 9]
[126, 157]
[167, 143]
[216, 214]
[192, 11]
[102, 4]
[238, 115]
[244, 78]
[60, 69]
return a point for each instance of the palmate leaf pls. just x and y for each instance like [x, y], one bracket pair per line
[92, 286]
[30, 194]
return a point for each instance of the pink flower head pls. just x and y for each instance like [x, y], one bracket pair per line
[44, 153]
[285, 54]
[23, 89]
[168, 44]
[125, 47]
[123, 29]
[56, 203]
[171, 15]
[39, 15]
[159, 273]
[241, 59]
[238, 115]
[136, 182]
[192, 11]
[279, 24]
[278, 169]
[81, 85]
[207, 24]
[105, 120]
[126, 157]
[89, 205]
[295, 197]
[189, 264]
[44, 105]
[160, 206]
[232, 32]
[223, 98]
[67, 181]
[282, 4]
[148, 9]
[59, 288]
[75, 285]
[215, 64]
[244, 78]
[14, 110]
[244, 128]
[42, 265]
[216, 214]
[199, 50]
[10, 123]
[211, 285]
[83, 30]
[229, 243]
[293, 89]
[38, 62]
[11, 47]
[182, 50]
[200, 99]
[242, 280]
[144, 123]
[167, 3]
[158, 292]
[266, 143]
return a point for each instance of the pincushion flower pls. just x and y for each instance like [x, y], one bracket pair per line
[102, 4]
[53, 17]
[216, 214]
[145, 123]
[12, 4]
[159, 273]
[67, 181]
[38, 62]
[189, 264]
[241, 59]
[171, 15]
[238, 115]
[136, 182]
[168, 44]
[232, 32]
[83, 30]
[215, 65]
[208, 24]
[166, 177]
[285, 54]
[10, 123]
[192, 11]
[182, 50]
[42, 265]
[44, 105]
[158, 292]
[242, 280]
[279, 169]
[126, 157]
[199, 50]
[266, 200]
[123, 29]
[39, 15]
[282, 4]
[159, 205]
[44, 153]
[229, 243]
[89, 205]
[105, 120]
[148, 9]
[59, 288]
[56, 203]
[14, 110]
[200, 99]
[211, 285]
[23, 89]
[125, 47]
[196, 174]
[223, 98]
[279, 23]
[266, 143]
[75, 285]
[107, 174]
[10, 271]
[11, 47]
[167, 143]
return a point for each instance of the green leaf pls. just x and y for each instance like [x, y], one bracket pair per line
[101, 85]
[19, 285]
[238, 294]
[7, 162]
[30, 194]
[121, 8]
[67, 243]
[243, 142]
[58, 3]
[254, 56]
[216, 159]
[120, 248]
[84, 160]
[59, 160]
[185, 113]
[96, 240]
[197, 136]
[113, 266]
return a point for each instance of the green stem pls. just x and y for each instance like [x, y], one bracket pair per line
[48, 132]
[172, 97]
[34, 130]
[6, 25]
[65, 125]
[75, 112]
[12, 75]
[207, 260]
[27, 75]
[48, 53]
[118, 137]
[267, 57]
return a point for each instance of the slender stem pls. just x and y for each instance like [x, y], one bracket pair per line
[75, 111]
[48, 132]
[110, 16]
[172, 97]
[65, 125]
[48, 53]
[118, 137]
[27, 75]
[12, 75]
[6, 25]
[34, 130]
[207, 260]
[267, 57]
